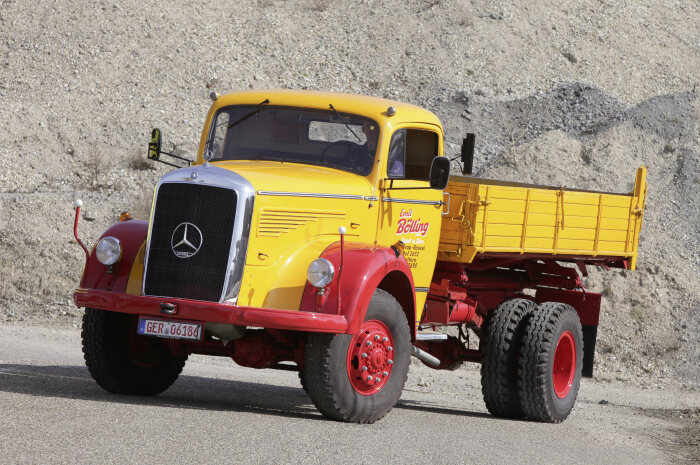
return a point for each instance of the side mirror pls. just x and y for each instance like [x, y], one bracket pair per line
[154, 145]
[468, 153]
[154, 151]
[439, 173]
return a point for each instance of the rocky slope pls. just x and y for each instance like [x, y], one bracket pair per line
[572, 93]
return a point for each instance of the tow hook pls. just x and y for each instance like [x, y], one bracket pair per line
[168, 308]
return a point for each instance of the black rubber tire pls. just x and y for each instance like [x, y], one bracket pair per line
[325, 367]
[499, 345]
[302, 380]
[542, 333]
[121, 361]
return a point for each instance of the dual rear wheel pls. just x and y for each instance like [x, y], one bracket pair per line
[532, 360]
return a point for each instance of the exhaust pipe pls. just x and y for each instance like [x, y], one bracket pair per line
[425, 357]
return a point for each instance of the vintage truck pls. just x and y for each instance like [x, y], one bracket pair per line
[322, 233]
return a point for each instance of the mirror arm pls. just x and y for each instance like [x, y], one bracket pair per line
[154, 150]
[189, 162]
[168, 163]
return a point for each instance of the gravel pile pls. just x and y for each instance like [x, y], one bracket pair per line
[572, 93]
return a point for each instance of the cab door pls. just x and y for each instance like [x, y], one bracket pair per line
[409, 210]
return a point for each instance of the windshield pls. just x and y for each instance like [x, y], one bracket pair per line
[314, 137]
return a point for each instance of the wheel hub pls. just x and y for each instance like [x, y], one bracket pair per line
[564, 365]
[370, 357]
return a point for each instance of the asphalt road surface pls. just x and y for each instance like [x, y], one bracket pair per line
[51, 411]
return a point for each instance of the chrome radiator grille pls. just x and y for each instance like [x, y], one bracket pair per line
[190, 241]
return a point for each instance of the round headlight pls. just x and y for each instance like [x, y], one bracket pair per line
[320, 272]
[109, 250]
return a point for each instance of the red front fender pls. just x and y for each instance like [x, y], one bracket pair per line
[364, 270]
[131, 234]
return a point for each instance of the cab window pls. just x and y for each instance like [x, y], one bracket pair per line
[410, 154]
[340, 141]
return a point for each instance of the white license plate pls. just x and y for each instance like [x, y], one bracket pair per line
[170, 329]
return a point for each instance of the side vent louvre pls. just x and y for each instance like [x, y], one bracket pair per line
[275, 222]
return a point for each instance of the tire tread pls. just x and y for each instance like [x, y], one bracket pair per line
[533, 366]
[319, 369]
[499, 345]
[108, 363]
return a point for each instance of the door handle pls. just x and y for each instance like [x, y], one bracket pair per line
[449, 198]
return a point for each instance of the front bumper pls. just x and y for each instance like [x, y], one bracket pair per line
[211, 312]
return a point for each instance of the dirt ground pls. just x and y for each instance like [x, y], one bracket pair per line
[219, 412]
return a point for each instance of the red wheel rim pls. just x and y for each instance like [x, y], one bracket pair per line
[564, 366]
[370, 357]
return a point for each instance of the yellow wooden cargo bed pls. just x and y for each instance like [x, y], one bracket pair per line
[486, 217]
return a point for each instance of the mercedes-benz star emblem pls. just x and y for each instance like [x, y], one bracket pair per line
[186, 240]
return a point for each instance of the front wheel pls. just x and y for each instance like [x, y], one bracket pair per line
[123, 362]
[550, 362]
[359, 378]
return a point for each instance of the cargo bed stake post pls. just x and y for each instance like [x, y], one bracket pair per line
[341, 231]
[78, 204]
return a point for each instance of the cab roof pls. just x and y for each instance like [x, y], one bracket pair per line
[371, 107]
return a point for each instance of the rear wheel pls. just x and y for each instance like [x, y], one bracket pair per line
[123, 362]
[550, 363]
[359, 378]
[500, 345]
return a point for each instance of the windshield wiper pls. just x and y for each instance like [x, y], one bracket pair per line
[346, 124]
[240, 120]
[252, 113]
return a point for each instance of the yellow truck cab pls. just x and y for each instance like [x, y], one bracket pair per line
[321, 232]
